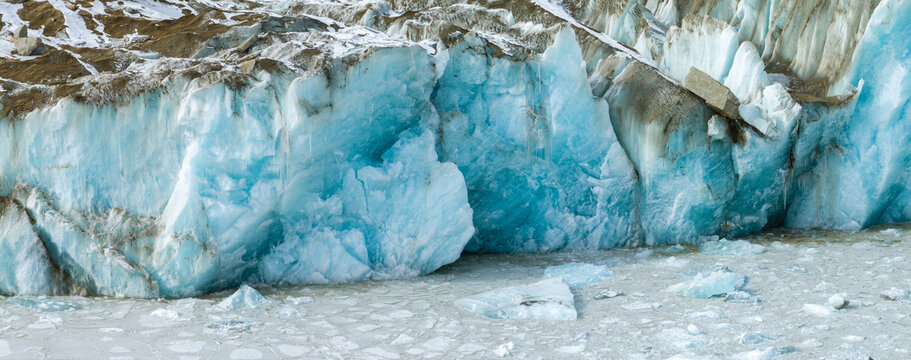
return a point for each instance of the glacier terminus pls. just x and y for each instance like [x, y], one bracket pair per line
[167, 149]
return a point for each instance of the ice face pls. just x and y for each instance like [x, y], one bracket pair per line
[546, 300]
[33, 272]
[543, 166]
[866, 171]
[381, 140]
[298, 178]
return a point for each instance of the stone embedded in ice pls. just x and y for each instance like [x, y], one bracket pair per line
[547, 300]
[766, 354]
[710, 283]
[245, 297]
[578, 274]
[716, 96]
[755, 338]
[896, 294]
[736, 248]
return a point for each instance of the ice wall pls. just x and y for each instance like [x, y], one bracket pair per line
[297, 178]
[387, 140]
[539, 154]
[864, 179]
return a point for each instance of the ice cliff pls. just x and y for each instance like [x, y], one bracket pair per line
[166, 149]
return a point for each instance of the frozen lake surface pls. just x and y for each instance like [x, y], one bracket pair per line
[637, 309]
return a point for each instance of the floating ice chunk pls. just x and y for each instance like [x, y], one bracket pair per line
[741, 297]
[673, 261]
[639, 305]
[246, 354]
[607, 294]
[505, 350]
[688, 356]
[230, 325]
[896, 294]
[737, 248]
[708, 284]
[578, 274]
[811, 343]
[682, 339]
[853, 338]
[572, 349]
[755, 338]
[44, 304]
[837, 301]
[818, 310]
[767, 353]
[245, 298]
[549, 299]
[299, 300]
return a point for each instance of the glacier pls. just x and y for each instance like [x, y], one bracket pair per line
[322, 142]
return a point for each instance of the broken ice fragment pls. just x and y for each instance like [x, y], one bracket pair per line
[607, 294]
[896, 294]
[741, 297]
[767, 353]
[737, 248]
[682, 339]
[818, 310]
[837, 301]
[578, 274]
[549, 299]
[708, 284]
[245, 298]
[230, 325]
[506, 349]
[44, 304]
[755, 338]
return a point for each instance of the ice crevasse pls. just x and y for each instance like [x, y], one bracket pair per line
[345, 141]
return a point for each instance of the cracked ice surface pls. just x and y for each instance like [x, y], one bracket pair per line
[419, 318]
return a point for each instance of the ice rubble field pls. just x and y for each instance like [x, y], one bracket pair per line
[631, 311]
